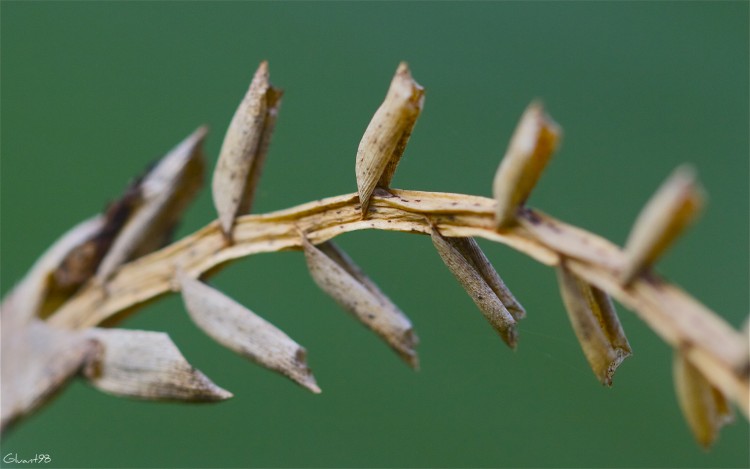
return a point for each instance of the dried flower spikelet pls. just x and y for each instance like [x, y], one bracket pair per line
[386, 136]
[337, 275]
[42, 361]
[31, 296]
[474, 254]
[674, 206]
[464, 268]
[146, 365]
[242, 331]
[165, 192]
[595, 323]
[535, 139]
[705, 408]
[244, 149]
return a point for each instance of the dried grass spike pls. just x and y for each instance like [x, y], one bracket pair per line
[474, 254]
[244, 149]
[674, 206]
[239, 329]
[535, 139]
[337, 275]
[595, 323]
[705, 408]
[31, 296]
[165, 191]
[146, 365]
[42, 360]
[386, 136]
[476, 286]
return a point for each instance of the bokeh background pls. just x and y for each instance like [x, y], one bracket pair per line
[92, 92]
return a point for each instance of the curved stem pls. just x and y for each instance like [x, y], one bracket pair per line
[711, 344]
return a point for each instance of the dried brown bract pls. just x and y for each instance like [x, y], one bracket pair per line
[337, 275]
[244, 149]
[461, 257]
[675, 205]
[239, 329]
[595, 323]
[535, 139]
[705, 408]
[385, 139]
[146, 365]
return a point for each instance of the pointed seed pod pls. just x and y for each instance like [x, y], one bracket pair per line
[705, 408]
[242, 331]
[535, 139]
[474, 254]
[595, 323]
[337, 275]
[386, 136]
[674, 206]
[146, 365]
[464, 268]
[30, 297]
[42, 360]
[165, 192]
[244, 149]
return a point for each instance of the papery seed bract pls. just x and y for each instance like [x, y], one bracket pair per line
[595, 323]
[146, 365]
[476, 286]
[705, 408]
[239, 329]
[535, 139]
[386, 136]
[337, 275]
[166, 191]
[674, 206]
[244, 149]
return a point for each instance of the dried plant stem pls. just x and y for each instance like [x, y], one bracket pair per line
[712, 345]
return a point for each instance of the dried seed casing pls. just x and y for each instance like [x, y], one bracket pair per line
[674, 206]
[386, 136]
[337, 275]
[595, 323]
[460, 255]
[242, 331]
[705, 408]
[146, 365]
[165, 191]
[244, 149]
[535, 139]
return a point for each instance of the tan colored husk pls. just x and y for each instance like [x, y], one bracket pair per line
[337, 275]
[30, 295]
[467, 274]
[239, 329]
[386, 136]
[146, 365]
[474, 254]
[535, 139]
[166, 191]
[42, 360]
[595, 323]
[705, 408]
[674, 206]
[244, 149]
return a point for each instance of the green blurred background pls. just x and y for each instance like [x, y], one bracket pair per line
[92, 92]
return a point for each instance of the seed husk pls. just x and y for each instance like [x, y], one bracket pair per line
[595, 323]
[534, 140]
[385, 138]
[242, 331]
[337, 275]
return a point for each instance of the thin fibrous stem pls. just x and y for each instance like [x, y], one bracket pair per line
[712, 345]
